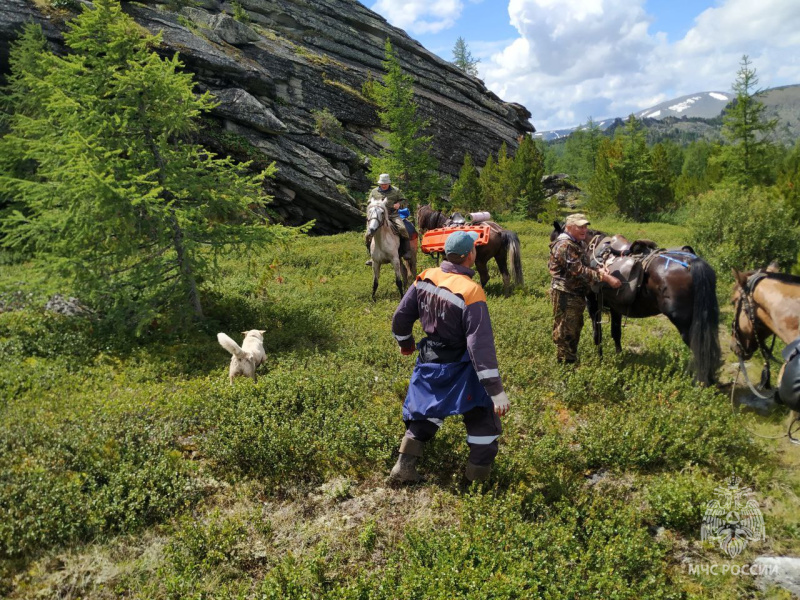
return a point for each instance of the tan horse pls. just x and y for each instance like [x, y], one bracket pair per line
[765, 303]
[385, 247]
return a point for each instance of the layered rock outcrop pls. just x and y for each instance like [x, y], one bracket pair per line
[279, 63]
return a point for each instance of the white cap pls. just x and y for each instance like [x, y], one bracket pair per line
[384, 178]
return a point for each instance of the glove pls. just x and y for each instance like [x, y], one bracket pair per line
[407, 351]
[501, 403]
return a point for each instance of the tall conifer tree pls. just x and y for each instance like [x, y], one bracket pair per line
[111, 192]
[746, 158]
[408, 157]
[466, 192]
[462, 58]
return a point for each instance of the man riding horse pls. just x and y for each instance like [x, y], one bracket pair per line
[393, 200]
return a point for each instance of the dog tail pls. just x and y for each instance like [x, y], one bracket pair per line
[231, 346]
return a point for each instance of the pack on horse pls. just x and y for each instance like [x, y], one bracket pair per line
[502, 245]
[675, 282]
[385, 248]
[768, 303]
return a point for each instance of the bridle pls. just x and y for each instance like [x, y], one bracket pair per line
[381, 210]
[746, 303]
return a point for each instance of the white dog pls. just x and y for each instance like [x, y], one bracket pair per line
[246, 359]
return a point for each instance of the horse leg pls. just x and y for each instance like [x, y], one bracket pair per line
[400, 277]
[376, 271]
[411, 267]
[502, 264]
[596, 317]
[483, 272]
[616, 329]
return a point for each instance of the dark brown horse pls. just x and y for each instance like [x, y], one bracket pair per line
[502, 245]
[681, 286]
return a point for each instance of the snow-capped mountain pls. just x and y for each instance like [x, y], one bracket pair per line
[703, 105]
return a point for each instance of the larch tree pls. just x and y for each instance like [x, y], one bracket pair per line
[466, 192]
[462, 58]
[746, 158]
[109, 189]
[408, 157]
[525, 172]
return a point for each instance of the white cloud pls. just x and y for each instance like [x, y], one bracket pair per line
[579, 58]
[420, 16]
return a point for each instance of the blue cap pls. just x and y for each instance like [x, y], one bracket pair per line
[460, 242]
[404, 213]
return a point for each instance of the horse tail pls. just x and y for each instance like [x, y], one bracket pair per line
[704, 330]
[511, 245]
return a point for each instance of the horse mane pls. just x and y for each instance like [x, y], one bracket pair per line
[784, 278]
[427, 218]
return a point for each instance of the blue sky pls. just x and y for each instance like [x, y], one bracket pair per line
[568, 60]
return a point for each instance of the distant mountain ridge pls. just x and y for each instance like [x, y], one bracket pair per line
[698, 116]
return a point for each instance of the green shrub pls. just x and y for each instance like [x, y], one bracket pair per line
[199, 547]
[326, 124]
[64, 482]
[590, 548]
[678, 501]
[744, 229]
[665, 423]
[239, 13]
[65, 4]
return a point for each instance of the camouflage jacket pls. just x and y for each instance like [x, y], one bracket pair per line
[569, 266]
[390, 197]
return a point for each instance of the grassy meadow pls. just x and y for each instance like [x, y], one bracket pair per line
[131, 468]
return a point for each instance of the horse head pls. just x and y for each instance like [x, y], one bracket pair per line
[376, 216]
[428, 219]
[747, 329]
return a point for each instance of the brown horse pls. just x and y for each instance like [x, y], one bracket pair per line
[677, 284]
[502, 244]
[766, 303]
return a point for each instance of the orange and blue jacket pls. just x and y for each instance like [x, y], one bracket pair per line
[451, 307]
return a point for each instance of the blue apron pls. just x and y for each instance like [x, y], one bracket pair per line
[438, 390]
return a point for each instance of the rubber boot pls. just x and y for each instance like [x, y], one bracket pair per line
[477, 472]
[405, 469]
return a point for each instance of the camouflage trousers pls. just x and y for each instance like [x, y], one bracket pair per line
[567, 324]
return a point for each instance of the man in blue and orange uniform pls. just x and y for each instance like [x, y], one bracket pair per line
[456, 371]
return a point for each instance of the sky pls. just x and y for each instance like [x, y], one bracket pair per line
[568, 60]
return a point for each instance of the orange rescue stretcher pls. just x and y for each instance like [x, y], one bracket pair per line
[433, 240]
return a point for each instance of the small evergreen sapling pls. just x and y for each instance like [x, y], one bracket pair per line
[109, 189]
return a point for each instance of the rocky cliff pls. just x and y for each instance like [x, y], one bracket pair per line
[280, 62]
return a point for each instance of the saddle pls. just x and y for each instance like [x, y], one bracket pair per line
[459, 220]
[620, 246]
[624, 260]
[630, 271]
[455, 220]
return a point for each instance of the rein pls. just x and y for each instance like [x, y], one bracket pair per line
[747, 304]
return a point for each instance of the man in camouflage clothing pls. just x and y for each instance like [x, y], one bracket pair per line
[393, 200]
[572, 279]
